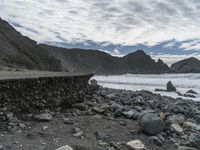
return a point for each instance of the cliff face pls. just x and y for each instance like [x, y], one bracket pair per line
[98, 62]
[18, 51]
[34, 94]
[190, 65]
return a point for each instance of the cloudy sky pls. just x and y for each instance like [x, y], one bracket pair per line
[168, 29]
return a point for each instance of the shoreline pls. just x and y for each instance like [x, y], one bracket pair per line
[107, 120]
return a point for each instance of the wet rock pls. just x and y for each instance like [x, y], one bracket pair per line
[194, 140]
[151, 124]
[66, 147]
[171, 87]
[177, 128]
[176, 119]
[136, 145]
[191, 92]
[43, 117]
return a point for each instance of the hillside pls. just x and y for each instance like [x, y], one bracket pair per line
[190, 65]
[20, 52]
[79, 60]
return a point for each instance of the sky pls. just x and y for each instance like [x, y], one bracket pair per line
[166, 29]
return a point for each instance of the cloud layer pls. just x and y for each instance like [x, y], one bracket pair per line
[124, 22]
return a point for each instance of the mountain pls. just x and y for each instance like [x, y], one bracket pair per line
[21, 52]
[98, 62]
[190, 65]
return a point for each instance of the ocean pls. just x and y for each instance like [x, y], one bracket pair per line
[135, 82]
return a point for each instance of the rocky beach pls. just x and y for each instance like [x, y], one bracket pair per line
[107, 119]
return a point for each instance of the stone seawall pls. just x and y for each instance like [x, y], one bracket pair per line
[31, 95]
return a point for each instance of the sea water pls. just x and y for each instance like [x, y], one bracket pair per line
[135, 82]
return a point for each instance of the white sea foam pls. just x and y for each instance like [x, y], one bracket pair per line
[183, 82]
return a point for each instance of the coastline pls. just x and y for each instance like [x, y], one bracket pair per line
[107, 120]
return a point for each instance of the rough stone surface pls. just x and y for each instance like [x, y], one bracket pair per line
[151, 124]
[30, 95]
[171, 87]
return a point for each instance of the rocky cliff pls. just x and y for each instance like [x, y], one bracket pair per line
[190, 65]
[20, 52]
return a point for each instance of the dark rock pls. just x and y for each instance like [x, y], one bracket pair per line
[189, 95]
[191, 92]
[151, 124]
[197, 119]
[194, 140]
[93, 85]
[159, 90]
[190, 65]
[171, 87]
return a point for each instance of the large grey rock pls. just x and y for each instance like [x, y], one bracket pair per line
[151, 124]
[171, 87]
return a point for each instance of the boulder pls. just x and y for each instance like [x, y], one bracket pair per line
[151, 124]
[66, 147]
[171, 87]
[93, 85]
[136, 145]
